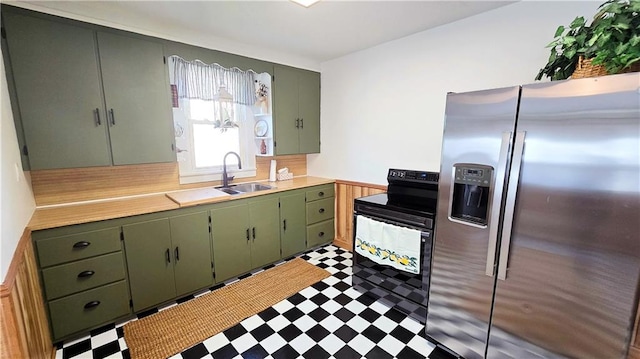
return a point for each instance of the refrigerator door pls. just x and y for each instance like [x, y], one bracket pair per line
[573, 260]
[477, 139]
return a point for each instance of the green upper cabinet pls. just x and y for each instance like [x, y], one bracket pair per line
[292, 224]
[137, 100]
[88, 98]
[167, 258]
[58, 89]
[296, 105]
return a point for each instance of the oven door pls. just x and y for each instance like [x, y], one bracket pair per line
[405, 286]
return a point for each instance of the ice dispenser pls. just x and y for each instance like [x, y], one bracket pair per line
[470, 193]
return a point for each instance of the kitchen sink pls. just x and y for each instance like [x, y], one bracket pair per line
[244, 188]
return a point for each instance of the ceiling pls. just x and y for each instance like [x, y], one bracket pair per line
[327, 30]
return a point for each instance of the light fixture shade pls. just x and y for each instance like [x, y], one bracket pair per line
[223, 95]
[305, 3]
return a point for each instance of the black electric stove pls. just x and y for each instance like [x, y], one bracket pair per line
[410, 202]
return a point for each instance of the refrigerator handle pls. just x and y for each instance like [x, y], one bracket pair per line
[494, 219]
[514, 180]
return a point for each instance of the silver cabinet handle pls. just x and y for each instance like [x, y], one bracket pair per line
[498, 187]
[297, 123]
[113, 118]
[514, 179]
[302, 123]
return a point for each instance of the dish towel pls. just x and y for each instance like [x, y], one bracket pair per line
[386, 244]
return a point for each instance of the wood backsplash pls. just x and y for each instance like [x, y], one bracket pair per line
[92, 183]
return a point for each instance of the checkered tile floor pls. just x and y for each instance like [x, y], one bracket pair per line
[327, 320]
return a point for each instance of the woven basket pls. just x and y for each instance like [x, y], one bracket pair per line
[585, 68]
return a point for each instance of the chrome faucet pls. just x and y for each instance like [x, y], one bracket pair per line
[225, 177]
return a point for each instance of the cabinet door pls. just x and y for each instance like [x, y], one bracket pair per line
[192, 252]
[58, 89]
[137, 100]
[285, 107]
[265, 232]
[231, 246]
[292, 224]
[309, 112]
[150, 263]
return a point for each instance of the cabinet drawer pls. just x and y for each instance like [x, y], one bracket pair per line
[77, 276]
[58, 250]
[320, 193]
[88, 309]
[321, 210]
[320, 233]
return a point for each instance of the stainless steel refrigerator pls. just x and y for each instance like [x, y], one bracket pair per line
[537, 245]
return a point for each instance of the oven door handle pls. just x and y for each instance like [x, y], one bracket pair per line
[498, 189]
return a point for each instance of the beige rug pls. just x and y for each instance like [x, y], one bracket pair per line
[173, 330]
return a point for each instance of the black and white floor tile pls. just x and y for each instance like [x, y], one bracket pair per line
[327, 320]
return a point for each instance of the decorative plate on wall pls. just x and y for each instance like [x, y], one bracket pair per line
[261, 128]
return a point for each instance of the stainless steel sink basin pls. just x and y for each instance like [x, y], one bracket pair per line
[244, 188]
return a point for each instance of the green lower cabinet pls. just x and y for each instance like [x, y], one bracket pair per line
[245, 237]
[81, 275]
[88, 309]
[192, 252]
[320, 233]
[292, 224]
[265, 232]
[150, 262]
[167, 258]
[231, 241]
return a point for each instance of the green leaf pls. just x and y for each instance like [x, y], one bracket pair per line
[559, 31]
[570, 53]
[621, 48]
[568, 40]
[576, 23]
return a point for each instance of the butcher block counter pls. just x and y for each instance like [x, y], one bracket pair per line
[85, 212]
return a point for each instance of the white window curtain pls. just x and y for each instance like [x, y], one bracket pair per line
[197, 80]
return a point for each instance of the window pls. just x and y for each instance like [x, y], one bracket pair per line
[214, 116]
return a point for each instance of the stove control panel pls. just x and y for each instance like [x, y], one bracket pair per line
[396, 175]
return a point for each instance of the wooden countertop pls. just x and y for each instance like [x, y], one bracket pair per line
[85, 212]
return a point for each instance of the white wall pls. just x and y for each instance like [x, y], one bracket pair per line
[384, 107]
[16, 199]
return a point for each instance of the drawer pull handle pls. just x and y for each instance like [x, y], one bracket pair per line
[321, 194]
[321, 210]
[321, 234]
[82, 244]
[247, 234]
[284, 224]
[177, 254]
[168, 256]
[253, 230]
[92, 304]
[87, 273]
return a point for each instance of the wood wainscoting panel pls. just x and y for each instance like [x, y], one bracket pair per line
[634, 349]
[67, 185]
[346, 192]
[25, 329]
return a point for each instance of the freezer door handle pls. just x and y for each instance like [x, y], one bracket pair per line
[514, 180]
[494, 219]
